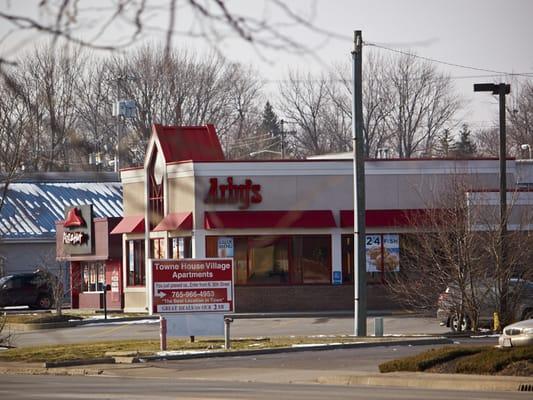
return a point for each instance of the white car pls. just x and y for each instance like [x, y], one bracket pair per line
[517, 334]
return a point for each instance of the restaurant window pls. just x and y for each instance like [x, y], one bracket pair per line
[236, 247]
[157, 248]
[382, 256]
[268, 260]
[180, 247]
[275, 260]
[93, 277]
[311, 259]
[135, 257]
[155, 189]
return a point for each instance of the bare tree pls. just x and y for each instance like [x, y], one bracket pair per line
[455, 246]
[520, 117]
[46, 80]
[304, 101]
[13, 137]
[377, 101]
[211, 21]
[488, 142]
[423, 103]
[185, 89]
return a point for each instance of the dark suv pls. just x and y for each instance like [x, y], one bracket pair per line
[28, 289]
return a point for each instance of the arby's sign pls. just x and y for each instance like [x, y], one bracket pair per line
[230, 192]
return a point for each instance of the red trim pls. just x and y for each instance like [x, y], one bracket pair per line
[131, 224]
[386, 218]
[175, 221]
[269, 219]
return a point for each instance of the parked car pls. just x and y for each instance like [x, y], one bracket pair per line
[27, 289]
[448, 300]
[517, 334]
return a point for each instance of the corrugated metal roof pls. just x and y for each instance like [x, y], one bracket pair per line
[31, 209]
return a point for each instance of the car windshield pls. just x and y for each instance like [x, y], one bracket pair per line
[4, 279]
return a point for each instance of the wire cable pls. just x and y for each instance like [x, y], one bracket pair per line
[529, 75]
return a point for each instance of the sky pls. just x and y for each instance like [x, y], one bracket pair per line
[490, 35]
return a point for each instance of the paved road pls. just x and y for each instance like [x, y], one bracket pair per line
[394, 325]
[77, 388]
[274, 376]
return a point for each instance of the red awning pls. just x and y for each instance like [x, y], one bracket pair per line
[175, 221]
[385, 218]
[132, 224]
[269, 219]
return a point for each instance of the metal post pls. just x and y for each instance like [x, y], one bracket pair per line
[282, 140]
[105, 301]
[162, 333]
[502, 91]
[227, 337]
[117, 150]
[359, 191]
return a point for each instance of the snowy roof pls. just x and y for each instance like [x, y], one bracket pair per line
[31, 209]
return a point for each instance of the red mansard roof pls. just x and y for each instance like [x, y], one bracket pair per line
[196, 143]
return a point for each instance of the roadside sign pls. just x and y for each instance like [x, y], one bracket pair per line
[192, 285]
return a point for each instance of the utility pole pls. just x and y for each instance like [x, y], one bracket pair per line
[281, 122]
[359, 245]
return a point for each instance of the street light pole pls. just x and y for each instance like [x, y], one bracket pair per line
[501, 90]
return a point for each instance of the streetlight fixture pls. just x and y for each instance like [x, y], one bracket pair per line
[501, 90]
[527, 147]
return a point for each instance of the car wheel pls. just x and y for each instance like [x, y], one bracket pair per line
[44, 302]
[464, 325]
[528, 314]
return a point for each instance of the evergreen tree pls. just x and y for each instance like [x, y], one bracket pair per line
[445, 144]
[464, 147]
[270, 123]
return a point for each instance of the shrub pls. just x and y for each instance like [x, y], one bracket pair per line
[428, 359]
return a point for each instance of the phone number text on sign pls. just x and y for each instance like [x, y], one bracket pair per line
[192, 285]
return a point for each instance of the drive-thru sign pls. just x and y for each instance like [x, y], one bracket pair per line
[192, 285]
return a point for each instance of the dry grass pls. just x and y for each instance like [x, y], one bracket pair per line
[147, 347]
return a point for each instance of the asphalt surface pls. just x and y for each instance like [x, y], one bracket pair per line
[142, 388]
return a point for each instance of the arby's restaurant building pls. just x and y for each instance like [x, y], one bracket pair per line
[288, 224]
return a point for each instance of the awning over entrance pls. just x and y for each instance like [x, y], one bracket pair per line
[386, 218]
[131, 224]
[175, 221]
[269, 219]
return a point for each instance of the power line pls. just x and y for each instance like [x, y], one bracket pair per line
[446, 62]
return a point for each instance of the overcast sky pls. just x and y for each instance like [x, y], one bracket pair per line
[486, 34]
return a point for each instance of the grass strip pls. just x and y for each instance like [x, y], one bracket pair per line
[149, 347]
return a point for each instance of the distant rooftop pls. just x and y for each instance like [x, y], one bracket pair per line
[35, 202]
[84, 176]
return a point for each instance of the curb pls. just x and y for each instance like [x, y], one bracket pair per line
[426, 380]
[322, 347]
[75, 363]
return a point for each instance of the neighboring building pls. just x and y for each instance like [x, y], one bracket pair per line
[35, 202]
[287, 223]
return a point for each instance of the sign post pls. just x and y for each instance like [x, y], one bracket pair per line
[193, 294]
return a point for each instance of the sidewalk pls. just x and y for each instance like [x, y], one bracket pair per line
[425, 380]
